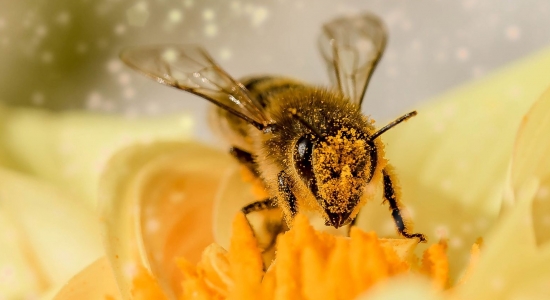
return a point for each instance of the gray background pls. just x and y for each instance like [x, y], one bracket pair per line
[63, 54]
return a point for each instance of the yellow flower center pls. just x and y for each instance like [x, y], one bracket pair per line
[310, 264]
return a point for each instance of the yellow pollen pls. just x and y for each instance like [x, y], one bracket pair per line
[309, 265]
[335, 162]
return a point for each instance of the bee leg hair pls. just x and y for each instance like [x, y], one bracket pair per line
[285, 192]
[245, 158]
[391, 197]
[259, 205]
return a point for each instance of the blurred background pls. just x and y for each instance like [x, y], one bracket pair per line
[63, 55]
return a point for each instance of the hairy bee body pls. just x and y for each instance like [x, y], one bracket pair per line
[273, 152]
[311, 146]
[236, 131]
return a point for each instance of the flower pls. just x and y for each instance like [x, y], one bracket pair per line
[50, 164]
[310, 264]
[453, 175]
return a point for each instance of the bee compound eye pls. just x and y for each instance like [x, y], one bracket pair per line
[303, 162]
[304, 148]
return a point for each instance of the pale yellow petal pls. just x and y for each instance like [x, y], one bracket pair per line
[156, 203]
[532, 149]
[515, 263]
[94, 282]
[410, 287]
[70, 149]
[46, 236]
[452, 159]
[233, 195]
[532, 159]
[510, 264]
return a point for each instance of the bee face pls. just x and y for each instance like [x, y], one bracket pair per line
[336, 169]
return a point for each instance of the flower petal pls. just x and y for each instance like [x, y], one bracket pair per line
[70, 149]
[410, 287]
[526, 273]
[452, 158]
[511, 266]
[156, 201]
[233, 195]
[46, 236]
[94, 282]
[532, 160]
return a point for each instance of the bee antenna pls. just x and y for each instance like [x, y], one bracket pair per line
[299, 117]
[404, 117]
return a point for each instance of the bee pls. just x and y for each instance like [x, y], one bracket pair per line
[311, 146]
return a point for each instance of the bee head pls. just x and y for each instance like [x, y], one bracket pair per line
[336, 169]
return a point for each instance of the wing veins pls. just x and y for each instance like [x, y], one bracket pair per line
[352, 48]
[191, 69]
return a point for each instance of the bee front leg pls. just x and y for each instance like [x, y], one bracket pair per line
[391, 196]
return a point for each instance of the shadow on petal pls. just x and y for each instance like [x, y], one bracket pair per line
[94, 282]
[157, 205]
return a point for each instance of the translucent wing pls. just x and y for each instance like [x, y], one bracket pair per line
[191, 69]
[351, 48]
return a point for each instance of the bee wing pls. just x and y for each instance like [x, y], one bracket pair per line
[190, 68]
[351, 48]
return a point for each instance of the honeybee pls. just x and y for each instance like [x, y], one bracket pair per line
[311, 146]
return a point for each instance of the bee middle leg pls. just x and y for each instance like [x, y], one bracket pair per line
[266, 220]
[245, 158]
[271, 221]
[391, 197]
[259, 205]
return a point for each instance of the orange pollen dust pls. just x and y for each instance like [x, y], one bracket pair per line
[339, 166]
[309, 265]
